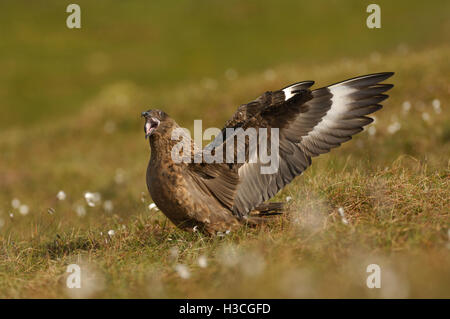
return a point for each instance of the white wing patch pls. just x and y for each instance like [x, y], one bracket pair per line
[295, 88]
[288, 92]
[341, 103]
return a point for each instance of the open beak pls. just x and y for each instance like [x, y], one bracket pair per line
[150, 126]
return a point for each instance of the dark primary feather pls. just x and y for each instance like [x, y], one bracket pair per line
[249, 110]
[310, 123]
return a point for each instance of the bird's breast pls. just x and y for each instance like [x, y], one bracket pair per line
[169, 190]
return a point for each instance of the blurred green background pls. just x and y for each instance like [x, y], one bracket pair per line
[48, 70]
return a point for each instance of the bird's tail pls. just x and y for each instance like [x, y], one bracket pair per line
[263, 212]
[268, 209]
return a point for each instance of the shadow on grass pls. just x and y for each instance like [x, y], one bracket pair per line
[132, 239]
[59, 247]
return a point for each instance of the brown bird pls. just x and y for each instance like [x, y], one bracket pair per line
[214, 197]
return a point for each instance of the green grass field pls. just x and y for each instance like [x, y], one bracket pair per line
[71, 103]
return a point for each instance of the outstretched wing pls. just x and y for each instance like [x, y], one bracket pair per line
[310, 123]
[221, 180]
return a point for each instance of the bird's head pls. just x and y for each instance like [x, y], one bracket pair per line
[157, 123]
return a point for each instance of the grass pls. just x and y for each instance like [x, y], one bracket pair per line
[393, 185]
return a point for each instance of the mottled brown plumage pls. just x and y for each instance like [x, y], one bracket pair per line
[219, 197]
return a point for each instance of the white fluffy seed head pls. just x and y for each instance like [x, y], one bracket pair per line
[183, 271]
[406, 106]
[202, 261]
[394, 127]
[80, 210]
[108, 206]
[24, 210]
[92, 199]
[436, 106]
[15, 203]
[426, 116]
[342, 214]
[119, 177]
[61, 195]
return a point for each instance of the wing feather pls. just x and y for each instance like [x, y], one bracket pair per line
[325, 121]
[310, 123]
